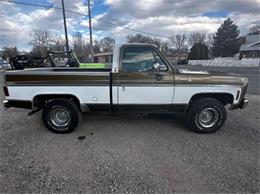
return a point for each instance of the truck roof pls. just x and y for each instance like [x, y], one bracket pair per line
[137, 44]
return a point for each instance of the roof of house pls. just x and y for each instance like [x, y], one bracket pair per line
[252, 43]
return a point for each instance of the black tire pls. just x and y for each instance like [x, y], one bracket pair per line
[68, 112]
[206, 107]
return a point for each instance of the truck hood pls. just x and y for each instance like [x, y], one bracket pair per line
[193, 76]
[204, 72]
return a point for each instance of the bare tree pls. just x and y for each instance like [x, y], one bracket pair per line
[209, 43]
[255, 30]
[107, 44]
[196, 38]
[58, 43]
[210, 39]
[96, 46]
[41, 41]
[179, 43]
[81, 47]
[78, 43]
[9, 52]
[139, 38]
[165, 47]
[156, 41]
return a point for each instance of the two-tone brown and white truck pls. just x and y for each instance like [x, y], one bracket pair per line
[140, 80]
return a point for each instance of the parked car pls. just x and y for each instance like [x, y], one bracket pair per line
[182, 62]
[4, 65]
[1, 63]
[141, 81]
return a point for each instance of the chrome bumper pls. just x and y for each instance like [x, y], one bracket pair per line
[243, 104]
[6, 104]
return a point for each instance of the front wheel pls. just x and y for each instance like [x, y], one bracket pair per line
[206, 115]
[61, 116]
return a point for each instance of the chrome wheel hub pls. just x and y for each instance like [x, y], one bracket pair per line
[60, 117]
[208, 117]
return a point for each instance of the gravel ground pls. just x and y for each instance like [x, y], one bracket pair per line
[130, 154]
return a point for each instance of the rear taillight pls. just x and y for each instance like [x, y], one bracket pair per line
[6, 92]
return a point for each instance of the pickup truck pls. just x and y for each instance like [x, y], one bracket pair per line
[141, 80]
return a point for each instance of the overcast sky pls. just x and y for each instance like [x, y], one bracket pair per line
[161, 17]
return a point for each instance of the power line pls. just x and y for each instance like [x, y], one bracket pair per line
[42, 6]
[77, 13]
[22, 3]
[132, 29]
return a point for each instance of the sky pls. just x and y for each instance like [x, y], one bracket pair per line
[161, 17]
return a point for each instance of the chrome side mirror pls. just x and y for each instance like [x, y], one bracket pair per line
[156, 66]
[159, 67]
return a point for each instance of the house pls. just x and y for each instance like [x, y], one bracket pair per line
[251, 47]
[104, 58]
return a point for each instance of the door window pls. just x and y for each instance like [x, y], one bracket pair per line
[141, 59]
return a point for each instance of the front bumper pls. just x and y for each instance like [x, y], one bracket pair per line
[242, 105]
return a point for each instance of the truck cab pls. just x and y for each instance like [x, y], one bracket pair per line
[144, 78]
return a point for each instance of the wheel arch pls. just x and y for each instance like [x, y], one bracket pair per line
[40, 100]
[223, 97]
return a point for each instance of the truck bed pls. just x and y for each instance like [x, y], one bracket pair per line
[58, 76]
[90, 86]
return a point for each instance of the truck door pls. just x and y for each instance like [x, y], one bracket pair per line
[145, 80]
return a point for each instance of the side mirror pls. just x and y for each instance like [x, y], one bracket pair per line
[156, 66]
[159, 67]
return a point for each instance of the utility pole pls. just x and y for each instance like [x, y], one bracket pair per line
[65, 26]
[90, 32]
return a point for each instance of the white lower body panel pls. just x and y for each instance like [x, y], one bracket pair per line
[145, 95]
[85, 94]
[183, 94]
[128, 95]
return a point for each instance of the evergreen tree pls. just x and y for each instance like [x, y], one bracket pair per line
[206, 51]
[226, 40]
[202, 51]
[199, 51]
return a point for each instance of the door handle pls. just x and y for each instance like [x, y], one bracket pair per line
[123, 88]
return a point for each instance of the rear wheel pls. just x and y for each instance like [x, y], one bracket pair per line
[206, 115]
[61, 116]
